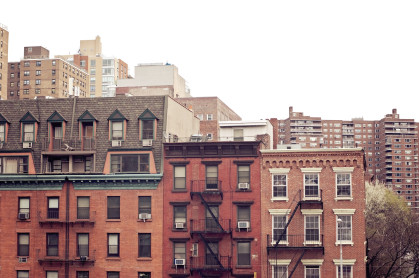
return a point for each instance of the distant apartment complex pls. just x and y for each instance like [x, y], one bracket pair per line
[104, 71]
[154, 79]
[390, 145]
[36, 75]
[4, 54]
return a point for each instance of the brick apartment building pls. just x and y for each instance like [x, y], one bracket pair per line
[79, 185]
[303, 194]
[390, 145]
[39, 76]
[212, 205]
[4, 56]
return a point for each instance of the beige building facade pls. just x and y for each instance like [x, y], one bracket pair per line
[4, 51]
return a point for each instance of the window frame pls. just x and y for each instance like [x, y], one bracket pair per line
[247, 259]
[53, 212]
[50, 251]
[23, 250]
[339, 229]
[116, 252]
[112, 274]
[180, 179]
[25, 272]
[351, 273]
[306, 228]
[244, 209]
[211, 180]
[27, 133]
[283, 223]
[278, 187]
[144, 245]
[117, 162]
[22, 209]
[178, 212]
[113, 206]
[82, 274]
[147, 132]
[144, 204]
[311, 186]
[80, 251]
[113, 130]
[178, 245]
[81, 210]
[306, 267]
[243, 176]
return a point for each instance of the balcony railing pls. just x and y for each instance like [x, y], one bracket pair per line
[210, 225]
[60, 144]
[210, 263]
[297, 241]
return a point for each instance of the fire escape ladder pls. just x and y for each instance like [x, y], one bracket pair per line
[210, 211]
[212, 252]
[288, 223]
[296, 263]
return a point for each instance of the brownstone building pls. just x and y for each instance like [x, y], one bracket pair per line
[390, 145]
[38, 76]
[79, 185]
[212, 210]
[4, 56]
[312, 202]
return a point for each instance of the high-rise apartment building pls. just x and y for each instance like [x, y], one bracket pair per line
[390, 145]
[39, 76]
[4, 56]
[104, 72]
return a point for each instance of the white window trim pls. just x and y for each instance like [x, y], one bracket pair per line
[318, 262]
[272, 228]
[305, 222]
[304, 183]
[274, 263]
[341, 171]
[311, 170]
[345, 262]
[342, 212]
[279, 171]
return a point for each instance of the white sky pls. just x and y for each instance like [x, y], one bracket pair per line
[331, 59]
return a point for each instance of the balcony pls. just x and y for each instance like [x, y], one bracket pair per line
[310, 242]
[209, 263]
[65, 145]
[211, 226]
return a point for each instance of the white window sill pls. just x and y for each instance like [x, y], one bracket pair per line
[344, 242]
[312, 199]
[312, 243]
[279, 199]
[280, 243]
[344, 199]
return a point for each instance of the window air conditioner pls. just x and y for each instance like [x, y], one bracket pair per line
[147, 142]
[22, 259]
[27, 145]
[179, 261]
[144, 216]
[83, 258]
[180, 225]
[116, 143]
[243, 224]
[243, 185]
[23, 215]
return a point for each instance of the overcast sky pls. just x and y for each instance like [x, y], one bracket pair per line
[331, 59]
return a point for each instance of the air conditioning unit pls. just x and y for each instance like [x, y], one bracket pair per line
[83, 258]
[27, 145]
[22, 259]
[180, 261]
[116, 143]
[144, 216]
[243, 185]
[180, 225]
[243, 224]
[147, 142]
[23, 215]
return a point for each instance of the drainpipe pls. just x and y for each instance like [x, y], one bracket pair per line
[67, 229]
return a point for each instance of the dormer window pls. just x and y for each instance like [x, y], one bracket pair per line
[117, 130]
[3, 128]
[117, 125]
[148, 124]
[28, 128]
[56, 127]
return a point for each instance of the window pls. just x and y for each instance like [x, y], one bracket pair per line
[52, 274]
[112, 274]
[144, 245]
[117, 130]
[209, 136]
[53, 62]
[210, 259]
[278, 225]
[238, 135]
[23, 244]
[113, 245]
[243, 215]
[38, 63]
[179, 177]
[14, 165]
[243, 253]
[53, 72]
[53, 81]
[211, 177]
[24, 206]
[179, 251]
[38, 73]
[311, 185]
[23, 274]
[312, 271]
[82, 274]
[343, 185]
[26, 91]
[52, 244]
[209, 117]
[345, 228]
[113, 207]
[82, 245]
[147, 129]
[179, 217]
[37, 91]
[26, 82]
[26, 64]
[312, 228]
[144, 204]
[279, 186]
[144, 274]
[2, 132]
[130, 163]
[243, 174]
[83, 207]
[28, 132]
[211, 218]
[12, 84]
[279, 271]
[346, 270]
[53, 208]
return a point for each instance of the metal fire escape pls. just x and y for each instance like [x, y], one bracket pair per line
[209, 230]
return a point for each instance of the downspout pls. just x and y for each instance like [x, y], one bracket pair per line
[67, 228]
[165, 113]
